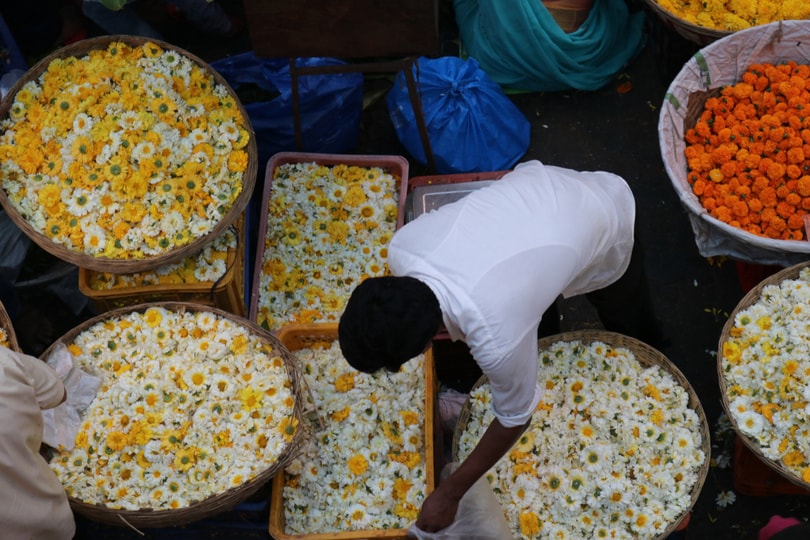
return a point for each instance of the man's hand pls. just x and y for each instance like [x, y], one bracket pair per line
[438, 511]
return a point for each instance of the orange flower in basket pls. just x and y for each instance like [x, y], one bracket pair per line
[748, 153]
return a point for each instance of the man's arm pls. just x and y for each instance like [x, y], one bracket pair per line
[439, 509]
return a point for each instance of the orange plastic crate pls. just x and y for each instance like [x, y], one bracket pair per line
[297, 337]
[227, 294]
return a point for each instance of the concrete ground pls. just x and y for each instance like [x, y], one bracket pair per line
[610, 129]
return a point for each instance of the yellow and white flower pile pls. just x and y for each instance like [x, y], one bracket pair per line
[766, 369]
[613, 450]
[4, 338]
[364, 469]
[125, 153]
[328, 228]
[207, 266]
[191, 405]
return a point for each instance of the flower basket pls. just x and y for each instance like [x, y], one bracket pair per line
[8, 338]
[297, 339]
[311, 255]
[598, 425]
[177, 364]
[770, 313]
[687, 30]
[226, 292]
[717, 65]
[118, 188]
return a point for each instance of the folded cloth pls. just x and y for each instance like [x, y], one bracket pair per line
[61, 424]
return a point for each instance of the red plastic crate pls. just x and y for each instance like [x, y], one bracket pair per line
[755, 478]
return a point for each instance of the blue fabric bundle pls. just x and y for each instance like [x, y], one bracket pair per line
[520, 45]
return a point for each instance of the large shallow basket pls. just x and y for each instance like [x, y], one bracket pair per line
[305, 336]
[107, 264]
[715, 66]
[8, 328]
[216, 503]
[689, 31]
[752, 297]
[647, 356]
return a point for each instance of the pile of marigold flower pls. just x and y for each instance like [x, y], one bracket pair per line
[364, 467]
[733, 15]
[4, 342]
[748, 155]
[328, 228]
[125, 153]
[191, 404]
[612, 451]
[766, 372]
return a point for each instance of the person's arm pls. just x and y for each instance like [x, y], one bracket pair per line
[439, 509]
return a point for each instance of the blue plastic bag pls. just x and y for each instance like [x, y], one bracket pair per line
[471, 123]
[330, 105]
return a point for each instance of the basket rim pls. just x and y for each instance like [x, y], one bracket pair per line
[751, 298]
[7, 325]
[85, 260]
[646, 355]
[217, 502]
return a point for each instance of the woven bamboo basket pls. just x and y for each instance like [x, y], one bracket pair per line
[751, 298]
[305, 336]
[216, 503]
[646, 356]
[687, 30]
[106, 264]
[8, 328]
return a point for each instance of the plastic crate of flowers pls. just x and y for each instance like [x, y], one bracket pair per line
[213, 277]
[369, 460]
[764, 372]
[197, 409]
[733, 139]
[326, 221]
[617, 448]
[121, 153]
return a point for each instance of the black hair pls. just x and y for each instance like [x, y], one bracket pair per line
[387, 321]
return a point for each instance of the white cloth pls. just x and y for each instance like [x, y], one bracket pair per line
[34, 504]
[499, 257]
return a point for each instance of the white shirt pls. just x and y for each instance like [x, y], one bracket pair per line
[34, 503]
[499, 257]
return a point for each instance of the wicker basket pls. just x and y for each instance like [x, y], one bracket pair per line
[297, 337]
[646, 356]
[213, 504]
[227, 293]
[704, 75]
[689, 31]
[106, 264]
[751, 298]
[8, 328]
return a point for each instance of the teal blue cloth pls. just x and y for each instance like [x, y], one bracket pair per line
[521, 47]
